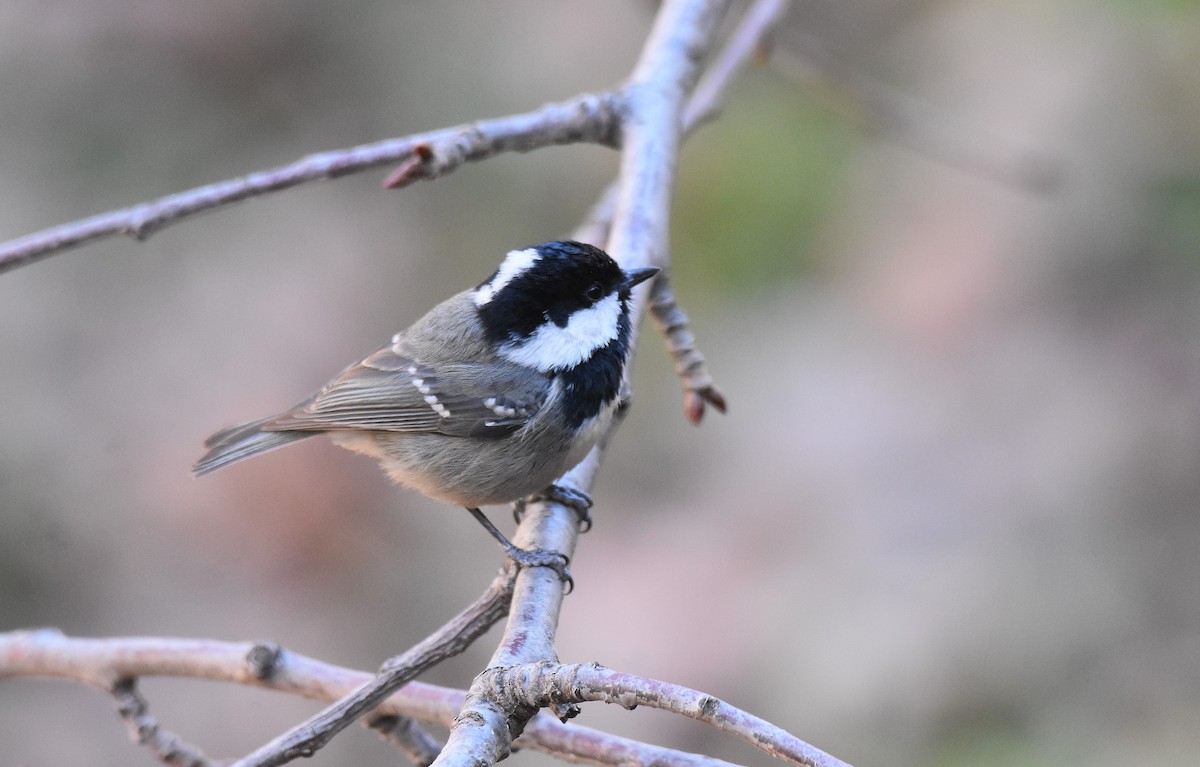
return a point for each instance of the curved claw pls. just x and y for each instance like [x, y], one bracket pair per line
[519, 509]
[574, 499]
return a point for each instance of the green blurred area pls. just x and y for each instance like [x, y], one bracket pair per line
[1179, 203]
[1155, 9]
[757, 189]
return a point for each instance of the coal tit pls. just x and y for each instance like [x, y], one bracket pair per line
[489, 397]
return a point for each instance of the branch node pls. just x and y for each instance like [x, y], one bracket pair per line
[709, 706]
[416, 167]
[565, 711]
[263, 660]
[141, 224]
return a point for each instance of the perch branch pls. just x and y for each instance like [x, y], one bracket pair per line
[654, 97]
[48, 653]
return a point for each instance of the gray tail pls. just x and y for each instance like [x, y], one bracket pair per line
[243, 441]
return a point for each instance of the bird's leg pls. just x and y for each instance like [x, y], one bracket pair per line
[528, 557]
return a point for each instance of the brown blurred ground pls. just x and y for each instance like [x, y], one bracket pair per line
[953, 297]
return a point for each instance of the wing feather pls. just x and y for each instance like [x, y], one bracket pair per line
[392, 391]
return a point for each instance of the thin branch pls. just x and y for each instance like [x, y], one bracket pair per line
[451, 639]
[145, 730]
[586, 118]
[705, 101]
[543, 684]
[104, 663]
[931, 131]
[744, 44]
[49, 653]
[704, 104]
[690, 364]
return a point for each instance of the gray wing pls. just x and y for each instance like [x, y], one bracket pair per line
[392, 391]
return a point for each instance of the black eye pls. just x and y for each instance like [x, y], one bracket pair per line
[595, 292]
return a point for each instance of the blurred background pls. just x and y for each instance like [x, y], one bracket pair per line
[942, 258]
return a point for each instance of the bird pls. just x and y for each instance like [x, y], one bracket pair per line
[489, 397]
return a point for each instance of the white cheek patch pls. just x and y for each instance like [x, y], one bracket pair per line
[514, 263]
[554, 348]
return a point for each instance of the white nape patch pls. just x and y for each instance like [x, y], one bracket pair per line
[554, 348]
[516, 262]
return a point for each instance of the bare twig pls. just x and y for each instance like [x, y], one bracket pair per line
[144, 729]
[743, 45]
[576, 743]
[909, 121]
[586, 118]
[418, 745]
[47, 652]
[705, 103]
[690, 366]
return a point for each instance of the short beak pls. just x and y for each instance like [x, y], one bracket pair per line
[638, 276]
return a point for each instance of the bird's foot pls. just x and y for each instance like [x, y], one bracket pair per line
[573, 498]
[528, 557]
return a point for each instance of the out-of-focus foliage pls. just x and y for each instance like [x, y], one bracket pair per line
[757, 189]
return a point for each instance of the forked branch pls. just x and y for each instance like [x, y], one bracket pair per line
[49, 653]
[646, 119]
